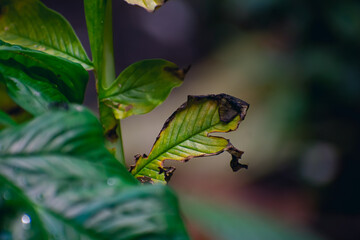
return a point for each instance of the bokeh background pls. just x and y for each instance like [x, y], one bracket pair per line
[298, 65]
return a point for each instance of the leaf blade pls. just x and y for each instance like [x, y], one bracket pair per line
[141, 87]
[186, 135]
[77, 188]
[35, 79]
[6, 120]
[31, 24]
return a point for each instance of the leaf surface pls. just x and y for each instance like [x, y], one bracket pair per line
[35, 79]
[186, 134]
[30, 24]
[59, 166]
[141, 87]
[149, 5]
[6, 120]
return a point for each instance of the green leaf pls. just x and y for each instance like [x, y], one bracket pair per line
[8, 106]
[141, 87]
[35, 79]
[186, 134]
[13, 211]
[30, 24]
[59, 166]
[238, 223]
[149, 5]
[6, 120]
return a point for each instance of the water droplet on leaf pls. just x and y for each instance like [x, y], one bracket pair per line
[111, 181]
[26, 220]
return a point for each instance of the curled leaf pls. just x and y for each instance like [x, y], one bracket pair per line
[186, 135]
[149, 5]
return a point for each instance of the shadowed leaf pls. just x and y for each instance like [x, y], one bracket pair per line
[30, 24]
[6, 120]
[149, 5]
[142, 86]
[73, 188]
[186, 134]
[35, 79]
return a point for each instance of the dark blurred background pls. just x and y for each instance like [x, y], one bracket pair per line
[298, 65]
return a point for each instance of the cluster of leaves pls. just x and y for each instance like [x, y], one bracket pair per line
[58, 174]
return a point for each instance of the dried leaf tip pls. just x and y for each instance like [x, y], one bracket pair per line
[235, 157]
[229, 106]
[178, 72]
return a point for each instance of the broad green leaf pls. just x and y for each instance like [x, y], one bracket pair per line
[141, 87]
[149, 5]
[35, 79]
[75, 189]
[30, 24]
[6, 120]
[228, 223]
[14, 211]
[186, 134]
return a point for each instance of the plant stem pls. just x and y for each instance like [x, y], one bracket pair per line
[108, 63]
[108, 76]
[99, 21]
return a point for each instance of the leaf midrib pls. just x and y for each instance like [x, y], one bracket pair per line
[196, 133]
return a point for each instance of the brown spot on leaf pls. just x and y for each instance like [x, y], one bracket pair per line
[112, 135]
[145, 179]
[129, 107]
[168, 172]
[137, 157]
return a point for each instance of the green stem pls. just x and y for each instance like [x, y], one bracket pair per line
[108, 76]
[108, 63]
[99, 21]
[120, 155]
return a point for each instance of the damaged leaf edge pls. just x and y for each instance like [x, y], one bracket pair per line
[241, 108]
